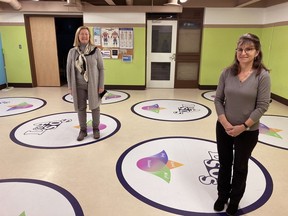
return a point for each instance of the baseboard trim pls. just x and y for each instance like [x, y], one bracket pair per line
[207, 87]
[279, 99]
[20, 85]
[2, 86]
[125, 87]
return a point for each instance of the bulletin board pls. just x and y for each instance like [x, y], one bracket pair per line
[115, 43]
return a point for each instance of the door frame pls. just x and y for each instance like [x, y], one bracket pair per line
[195, 16]
[166, 57]
[30, 45]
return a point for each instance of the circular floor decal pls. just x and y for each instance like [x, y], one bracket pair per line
[109, 97]
[209, 95]
[25, 197]
[273, 131]
[60, 130]
[17, 105]
[179, 175]
[171, 110]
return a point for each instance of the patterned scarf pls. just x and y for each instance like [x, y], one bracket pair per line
[81, 62]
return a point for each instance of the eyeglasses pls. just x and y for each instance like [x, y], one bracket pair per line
[246, 50]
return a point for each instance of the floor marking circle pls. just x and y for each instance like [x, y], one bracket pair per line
[25, 197]
[110, 97]
[171, 110]
[60, 130]
[179, 175]
[273, 131]
[18, 105]
[209, 95]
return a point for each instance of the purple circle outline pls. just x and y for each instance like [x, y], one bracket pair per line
[44, 103]
[258, 203]
[15, 140]
[209, 111]
[203, 95]
[72, 200]
[128, 96]
[269, 144]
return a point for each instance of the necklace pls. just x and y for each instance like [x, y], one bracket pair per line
[243, 76]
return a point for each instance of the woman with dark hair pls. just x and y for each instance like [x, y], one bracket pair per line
[85, 77]
[242, 97]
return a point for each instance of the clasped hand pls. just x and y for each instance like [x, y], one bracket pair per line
[234, 130]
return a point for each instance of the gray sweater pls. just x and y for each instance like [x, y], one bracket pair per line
[239, 101]
[95, 74]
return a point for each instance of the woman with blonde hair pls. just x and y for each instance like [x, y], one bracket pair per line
[85, 78]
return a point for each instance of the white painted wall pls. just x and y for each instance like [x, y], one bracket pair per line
[254, 16]
[233, 16]
[12, 17]
[117, 18]
[277, 13]
[213, 16]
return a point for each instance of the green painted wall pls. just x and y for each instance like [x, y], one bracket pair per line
[218, 49]
[116, 72]
[123, 73]
[277, 58]
[17, 60]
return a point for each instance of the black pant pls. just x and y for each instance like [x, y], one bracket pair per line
[234, 152]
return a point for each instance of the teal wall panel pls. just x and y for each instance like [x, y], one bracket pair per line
[2, 69]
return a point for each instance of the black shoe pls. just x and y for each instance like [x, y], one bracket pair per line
[232, 209]
[81, 135]
[220, 204]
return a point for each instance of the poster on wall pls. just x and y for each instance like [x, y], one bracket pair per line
[106, 54]
[126, 38]
[127, 58]
[97, 36]
[110, 37]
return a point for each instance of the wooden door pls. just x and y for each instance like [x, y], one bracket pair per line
[44, 47]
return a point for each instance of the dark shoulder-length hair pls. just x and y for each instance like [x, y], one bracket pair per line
[257, 63]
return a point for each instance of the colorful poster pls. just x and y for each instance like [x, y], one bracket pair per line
[106, 54]
[97, 36]
[126, 38]
[110, 37]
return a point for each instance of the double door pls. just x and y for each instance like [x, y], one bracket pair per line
[174, 50]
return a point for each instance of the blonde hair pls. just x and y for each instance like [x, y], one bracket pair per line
[76, 39]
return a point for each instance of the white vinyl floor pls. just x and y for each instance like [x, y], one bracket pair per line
[88, 172]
